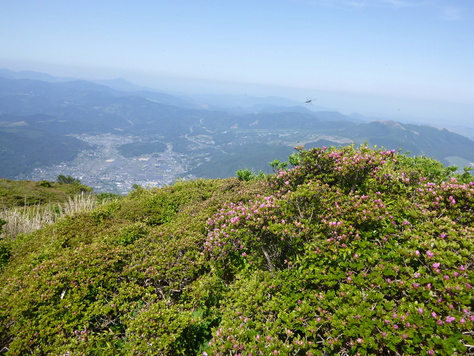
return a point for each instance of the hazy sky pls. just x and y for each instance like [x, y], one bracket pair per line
[412, 57]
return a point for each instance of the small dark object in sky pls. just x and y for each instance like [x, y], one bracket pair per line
[309, 101]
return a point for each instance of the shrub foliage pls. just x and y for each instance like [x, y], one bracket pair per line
[354, 251]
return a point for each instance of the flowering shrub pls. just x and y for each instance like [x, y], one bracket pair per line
[354, 251]
[114, 281]
[385, 268]
[255, 235]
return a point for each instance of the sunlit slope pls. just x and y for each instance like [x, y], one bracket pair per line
[352, 251]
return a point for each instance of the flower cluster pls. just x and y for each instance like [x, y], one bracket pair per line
[347, 167]
[258, 232]
[382, 269]
[223, 235]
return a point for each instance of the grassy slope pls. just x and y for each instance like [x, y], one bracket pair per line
[22, 193]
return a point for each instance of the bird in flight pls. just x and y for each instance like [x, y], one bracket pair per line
[309, 101]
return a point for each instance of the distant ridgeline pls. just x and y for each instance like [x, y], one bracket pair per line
[37, 118]
[346, 251]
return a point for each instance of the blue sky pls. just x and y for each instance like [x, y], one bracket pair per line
[377, 57]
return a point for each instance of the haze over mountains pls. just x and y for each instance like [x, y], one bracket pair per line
[113, 134]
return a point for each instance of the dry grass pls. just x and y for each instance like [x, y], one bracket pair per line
[23, 220]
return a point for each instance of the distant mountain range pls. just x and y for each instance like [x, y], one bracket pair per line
[40, 114]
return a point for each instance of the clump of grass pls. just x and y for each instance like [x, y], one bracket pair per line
[24, 220]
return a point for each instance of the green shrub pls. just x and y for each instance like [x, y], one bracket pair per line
[130, 233]
[2, 222]
[354, 251]
[5, 253]
[45, 183]
[67, 179]
[245, 174]
[379, 263]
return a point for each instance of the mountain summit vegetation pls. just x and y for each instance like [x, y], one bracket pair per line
[351, 251]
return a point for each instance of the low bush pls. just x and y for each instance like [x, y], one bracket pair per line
[354, 251]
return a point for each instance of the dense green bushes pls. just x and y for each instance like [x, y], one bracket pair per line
[353, 251]
[365, 256]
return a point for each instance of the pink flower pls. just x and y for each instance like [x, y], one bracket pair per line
[429, 253]
[431, 352]
[420, 310]
[450, 319]
[436, 265]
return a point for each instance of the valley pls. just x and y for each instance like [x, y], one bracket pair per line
[105, 170]
[112, 140]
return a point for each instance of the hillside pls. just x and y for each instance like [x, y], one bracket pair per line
[417, 139]
[354, 251]
[22, 149]
[113, 138]
[25, 193]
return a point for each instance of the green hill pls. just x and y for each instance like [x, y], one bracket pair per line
[352, 252]
[23, 193]
[418, 139]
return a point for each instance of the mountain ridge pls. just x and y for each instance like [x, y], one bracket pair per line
[200, 137]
